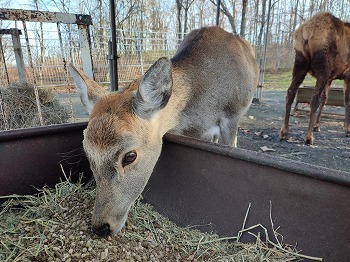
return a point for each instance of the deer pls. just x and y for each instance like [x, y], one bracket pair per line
[201, 92]
[322, 48]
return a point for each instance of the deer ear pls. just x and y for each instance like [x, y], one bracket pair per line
[154, 90]
[82, 82]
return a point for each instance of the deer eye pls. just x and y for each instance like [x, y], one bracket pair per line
[129, 158]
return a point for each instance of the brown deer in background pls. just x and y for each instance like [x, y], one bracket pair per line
[201, 92]
[322, 48]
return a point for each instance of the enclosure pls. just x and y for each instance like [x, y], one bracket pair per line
[195, 183]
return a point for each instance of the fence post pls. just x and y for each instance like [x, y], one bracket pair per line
[111, 67]
[18, 54]
[65, 70]
[3, 112]
[3, 59]
[85, 47]
[36, 92]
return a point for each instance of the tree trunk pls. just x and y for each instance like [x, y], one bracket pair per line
[41, 43]
[295, 16]
[100, 22]
[243, 20]
[186, 20]
[179, 20]
[230, 17]
[262, 22]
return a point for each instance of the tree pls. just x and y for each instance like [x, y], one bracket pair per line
[230, 16]
[244, 15]
[182, 24]
[262, 22]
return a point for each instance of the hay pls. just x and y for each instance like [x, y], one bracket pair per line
[19, 108]
[55, 226]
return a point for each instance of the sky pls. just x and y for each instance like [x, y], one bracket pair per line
[17, 4]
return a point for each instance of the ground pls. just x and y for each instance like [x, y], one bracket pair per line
[260, 128]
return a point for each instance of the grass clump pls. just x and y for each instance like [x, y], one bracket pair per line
[18, 107]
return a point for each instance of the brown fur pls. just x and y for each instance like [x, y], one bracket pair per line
[322, 49]
[202, 92]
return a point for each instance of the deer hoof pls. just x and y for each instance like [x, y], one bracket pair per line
[317, 128]
[283, 134]
[309, 140]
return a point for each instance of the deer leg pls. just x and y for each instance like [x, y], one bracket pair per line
[229, 130]
[300, 69]
[323, 101]
[322, 66]
[347, 105]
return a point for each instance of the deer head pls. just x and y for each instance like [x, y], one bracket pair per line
[123, 141]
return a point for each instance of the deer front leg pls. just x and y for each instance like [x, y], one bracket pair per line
[314, 104]
[301, 67]
[323, 101]
[292, 90]
[323, 66]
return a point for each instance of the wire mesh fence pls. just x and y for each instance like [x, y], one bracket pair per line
[136, 51]
[47, 48]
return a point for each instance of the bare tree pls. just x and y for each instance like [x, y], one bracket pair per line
[230, 16]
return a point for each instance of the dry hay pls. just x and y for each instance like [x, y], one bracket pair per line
[55, 226]
[19, 108]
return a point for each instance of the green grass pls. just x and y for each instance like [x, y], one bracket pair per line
[281, 80]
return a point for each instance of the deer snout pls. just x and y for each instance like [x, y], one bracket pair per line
[109, 228]
[102, 231]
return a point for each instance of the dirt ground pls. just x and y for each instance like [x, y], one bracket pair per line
[260, 128]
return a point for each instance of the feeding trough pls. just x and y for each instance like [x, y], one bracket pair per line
[304, 94]
[199, 183]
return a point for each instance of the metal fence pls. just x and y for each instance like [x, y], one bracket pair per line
[41, 44]
[61, 44]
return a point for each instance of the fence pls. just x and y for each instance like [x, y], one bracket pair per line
[136, 51]
[38, 49]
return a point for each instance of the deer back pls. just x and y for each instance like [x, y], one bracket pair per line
[218, 72]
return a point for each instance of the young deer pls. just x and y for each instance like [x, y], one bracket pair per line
[201, 92]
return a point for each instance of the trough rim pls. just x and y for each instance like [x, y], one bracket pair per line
[261, 158]
[13, 134]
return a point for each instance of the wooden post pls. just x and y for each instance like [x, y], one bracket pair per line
[85, 48]
[19, 55]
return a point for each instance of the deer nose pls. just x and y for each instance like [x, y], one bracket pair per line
[103, 230]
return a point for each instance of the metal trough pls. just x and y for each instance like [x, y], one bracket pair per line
[198, 183]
